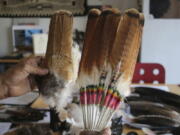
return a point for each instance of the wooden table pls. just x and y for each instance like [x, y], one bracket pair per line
[9, 61]
[174, 88]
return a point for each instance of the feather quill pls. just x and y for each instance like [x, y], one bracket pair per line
[126, 47]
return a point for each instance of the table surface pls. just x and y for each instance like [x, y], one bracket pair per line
[174, 88]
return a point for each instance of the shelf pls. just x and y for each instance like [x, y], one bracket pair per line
[9, 60]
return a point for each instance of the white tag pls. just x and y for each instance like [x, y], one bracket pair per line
[40, 43]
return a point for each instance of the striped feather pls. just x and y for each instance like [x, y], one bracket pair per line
[100, 34]
[58, 54]
[126, 47]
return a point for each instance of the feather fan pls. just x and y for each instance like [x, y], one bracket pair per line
[108, 59]
[109, 55]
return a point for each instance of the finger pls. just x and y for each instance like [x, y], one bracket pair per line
[38, 59]
[36, 70]
[31, 66]
[33, 60]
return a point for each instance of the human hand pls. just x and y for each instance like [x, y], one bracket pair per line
[106, 131]
[17, 79]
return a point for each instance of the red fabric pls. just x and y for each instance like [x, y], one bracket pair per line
[148, 76]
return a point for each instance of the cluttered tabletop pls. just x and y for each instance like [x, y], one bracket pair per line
[30, 114]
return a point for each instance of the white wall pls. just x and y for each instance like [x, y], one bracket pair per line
[6, 25]
[161, 44]
[120, 4]
[5, 36]
[79, 22]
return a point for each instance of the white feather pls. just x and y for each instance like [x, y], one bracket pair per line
[75, 118]
[123, 86]
[148, 131]
[76, 56]
[86, 79]
[64, 95]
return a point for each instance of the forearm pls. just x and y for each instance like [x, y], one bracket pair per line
[4, 93]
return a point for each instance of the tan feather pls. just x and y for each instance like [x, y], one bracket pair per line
[137, 43]
[55, 87]
[58, 55]
[131, 50]
[126, 45]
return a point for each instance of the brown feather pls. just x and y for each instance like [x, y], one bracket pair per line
[90, 29]
[126, 46]
[58, 55]
[100, 35]
[103, 37]
[112, 18]
[135, 48]
[90, 63]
